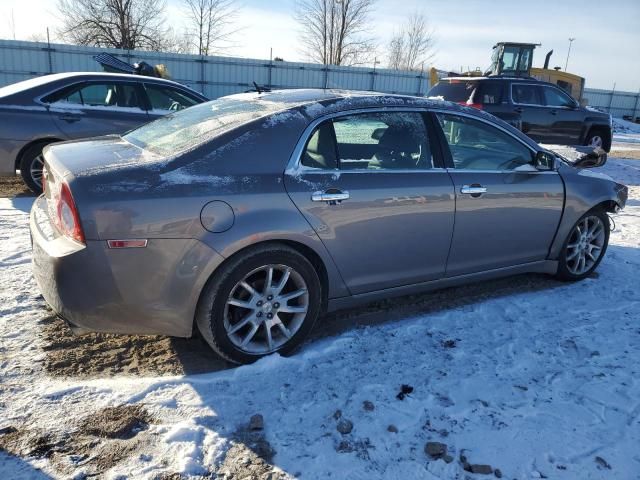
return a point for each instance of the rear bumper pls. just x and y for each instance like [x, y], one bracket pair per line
[149, 291]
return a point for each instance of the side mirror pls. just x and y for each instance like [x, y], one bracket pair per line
[545, 161]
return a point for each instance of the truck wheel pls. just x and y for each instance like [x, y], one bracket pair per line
[31, 165]
[598, 138]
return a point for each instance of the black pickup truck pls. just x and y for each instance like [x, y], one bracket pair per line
[539, 109]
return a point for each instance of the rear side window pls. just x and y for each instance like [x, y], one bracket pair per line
[488, 93]
[455, 90]
[370, 141]
[97, 95]
[526, 94]
[168, 99]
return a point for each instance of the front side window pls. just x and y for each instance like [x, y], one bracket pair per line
[168, 99]
[555, 98]
[526, 94]
[476, 145]
[371, 141]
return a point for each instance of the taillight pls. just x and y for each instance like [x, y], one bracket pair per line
[474, 105]
[68, 218]
[62, 208]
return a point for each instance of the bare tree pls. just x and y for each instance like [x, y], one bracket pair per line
[334, 32]
[126, 24]
[413, 45]
[210, 22]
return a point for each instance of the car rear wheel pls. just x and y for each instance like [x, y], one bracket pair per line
[585, 246]
[31, 165]
[265, 301]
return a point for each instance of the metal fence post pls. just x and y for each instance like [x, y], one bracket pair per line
[611, 99]
[49, 52]
[326, 76]
[635, 108]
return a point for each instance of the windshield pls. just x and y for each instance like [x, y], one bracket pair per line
[196, 125]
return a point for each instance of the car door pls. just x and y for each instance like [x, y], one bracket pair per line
[527, 102]
[376, 195]
[565, 117]
[507, 211]
[163, 99]
[97, 108]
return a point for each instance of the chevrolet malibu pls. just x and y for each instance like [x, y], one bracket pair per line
[67, 106]
[249, 216]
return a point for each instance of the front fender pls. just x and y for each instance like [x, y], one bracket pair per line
[585, 189]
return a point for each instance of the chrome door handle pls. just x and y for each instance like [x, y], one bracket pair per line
[473, 189]
[331, 197]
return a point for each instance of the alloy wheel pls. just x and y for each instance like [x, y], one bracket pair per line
[586, 245]
[596, 141]
[265, 309]
[36, 170]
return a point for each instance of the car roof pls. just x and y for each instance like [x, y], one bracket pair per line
[338, 100]
[41, 84]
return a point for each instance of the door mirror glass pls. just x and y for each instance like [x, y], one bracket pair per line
[545, 161]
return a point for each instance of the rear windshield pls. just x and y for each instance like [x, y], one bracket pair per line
[196, 125]
[462, 91]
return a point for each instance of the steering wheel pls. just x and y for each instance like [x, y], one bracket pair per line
[175, 106]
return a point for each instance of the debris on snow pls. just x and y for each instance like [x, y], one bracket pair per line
[404, 391]
[344, 426]
[256, 422]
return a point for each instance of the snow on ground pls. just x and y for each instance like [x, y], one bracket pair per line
[540, 380]
[625, 131]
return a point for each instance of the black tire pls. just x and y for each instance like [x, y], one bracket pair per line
[603, 135]
[564, 272]
[211, 306]
[29, 157]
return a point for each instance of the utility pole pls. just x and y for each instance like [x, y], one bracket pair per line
[568, 53]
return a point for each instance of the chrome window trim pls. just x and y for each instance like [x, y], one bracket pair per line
[294, 167]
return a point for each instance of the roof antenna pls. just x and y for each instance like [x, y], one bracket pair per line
[257, 88]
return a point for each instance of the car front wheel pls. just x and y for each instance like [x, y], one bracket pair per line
[262, 302]
[585, 246]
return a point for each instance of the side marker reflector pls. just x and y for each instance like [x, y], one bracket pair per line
[135, 243]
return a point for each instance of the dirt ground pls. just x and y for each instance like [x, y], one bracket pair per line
[105, 355]
[14, 187]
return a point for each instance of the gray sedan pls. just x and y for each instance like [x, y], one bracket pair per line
[249, 216]
[66, 106]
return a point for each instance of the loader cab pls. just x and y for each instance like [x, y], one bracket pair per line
[512, 59]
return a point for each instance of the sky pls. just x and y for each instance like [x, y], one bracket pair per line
[606, 50]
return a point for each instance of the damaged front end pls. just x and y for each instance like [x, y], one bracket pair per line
[579, 156]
